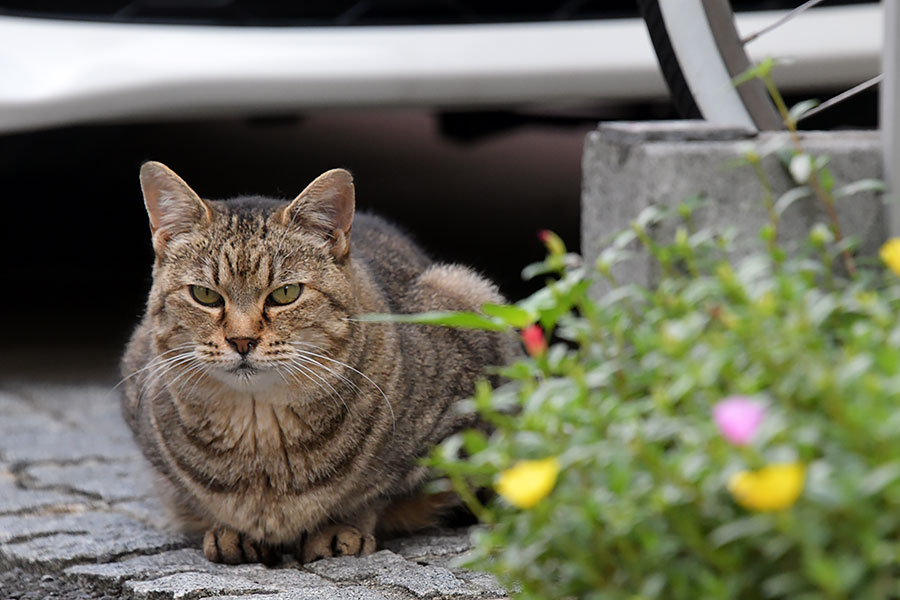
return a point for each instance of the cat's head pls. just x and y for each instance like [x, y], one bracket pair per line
[249, 292]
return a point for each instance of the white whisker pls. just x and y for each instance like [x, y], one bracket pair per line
[309, 354]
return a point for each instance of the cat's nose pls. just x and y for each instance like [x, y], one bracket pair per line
[243, 345]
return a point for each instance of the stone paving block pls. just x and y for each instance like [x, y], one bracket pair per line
[387, 568]
[348, 593]
[190, 560]
[87, 406]
[144, 567]
[65, 445]
[483, 581]
[14, 499]
[63, 423]
[58, 540]
[194, 585]
[16, 416]
[432, 545]
[150, 511]
[109, 481]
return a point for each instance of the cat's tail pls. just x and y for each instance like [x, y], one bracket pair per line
[422, 510]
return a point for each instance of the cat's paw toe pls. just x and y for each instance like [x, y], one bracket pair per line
[335, 540]
[230, 547]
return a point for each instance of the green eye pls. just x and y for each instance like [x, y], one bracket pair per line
[285, 294]
[206, 296]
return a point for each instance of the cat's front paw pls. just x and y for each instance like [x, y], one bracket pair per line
[335, 540]
[227, 546]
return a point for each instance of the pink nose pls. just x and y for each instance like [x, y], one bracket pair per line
[243, 345]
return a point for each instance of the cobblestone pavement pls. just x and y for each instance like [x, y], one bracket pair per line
[78, 520]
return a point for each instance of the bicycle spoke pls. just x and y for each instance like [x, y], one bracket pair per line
[843, 96]
[794, 13]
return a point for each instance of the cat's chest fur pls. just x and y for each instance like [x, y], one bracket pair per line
[265, 455]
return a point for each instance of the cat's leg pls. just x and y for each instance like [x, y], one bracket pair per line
[339, 539]
[224, 545]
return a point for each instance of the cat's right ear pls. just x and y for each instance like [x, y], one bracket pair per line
[173, 207]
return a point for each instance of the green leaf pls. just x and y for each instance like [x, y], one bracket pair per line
[753, 526]
[863, 185]
[801, 108]
[510, 314]
[462, 320]
[760, 70]
[789, 197]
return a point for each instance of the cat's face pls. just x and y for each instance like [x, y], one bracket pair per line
[251, 293]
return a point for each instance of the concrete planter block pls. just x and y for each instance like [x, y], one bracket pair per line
[629, 166]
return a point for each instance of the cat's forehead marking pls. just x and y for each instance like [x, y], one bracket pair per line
[248, 255]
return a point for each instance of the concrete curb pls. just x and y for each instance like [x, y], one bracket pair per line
[629, 166]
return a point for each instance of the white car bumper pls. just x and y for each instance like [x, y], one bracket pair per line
[65, 72]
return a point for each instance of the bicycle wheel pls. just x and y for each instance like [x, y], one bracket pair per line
[700, 53]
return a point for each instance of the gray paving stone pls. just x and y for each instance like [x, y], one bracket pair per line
[109, 481]
[65, 445]
[16, 416]
[387, 568]
[63, 423]
[194, 585]
[57, 540]
[433, 545]
[483, 581]
[85, 406]
[147, 510]
[144, 567]
[14, 499]
[348, 593]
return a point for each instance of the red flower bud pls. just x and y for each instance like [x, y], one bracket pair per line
[533, 337]
[552, 241]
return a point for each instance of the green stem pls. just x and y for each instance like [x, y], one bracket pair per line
[814, 183]
[472, 503]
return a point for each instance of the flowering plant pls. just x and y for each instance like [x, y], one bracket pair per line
[731, 432]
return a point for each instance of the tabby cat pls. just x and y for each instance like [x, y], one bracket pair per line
[280, 422]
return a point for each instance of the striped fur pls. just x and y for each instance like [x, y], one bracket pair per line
[304, 449]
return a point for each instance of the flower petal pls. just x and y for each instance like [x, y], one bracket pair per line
[738, 418]
[528, 481]
[890, 254]
[774, 487]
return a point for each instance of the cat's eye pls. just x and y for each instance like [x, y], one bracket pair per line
[285, 294]
[206, 296]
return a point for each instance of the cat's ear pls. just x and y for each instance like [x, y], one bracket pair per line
[326, 206]
[174, 208]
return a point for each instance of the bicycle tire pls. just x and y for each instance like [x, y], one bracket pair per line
[699, 55]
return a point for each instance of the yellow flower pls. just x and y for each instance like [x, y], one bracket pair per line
[890, 254]
[528, 481]
[774, 487]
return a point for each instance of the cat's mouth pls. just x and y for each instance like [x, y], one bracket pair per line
[244, 369]
[245, 375]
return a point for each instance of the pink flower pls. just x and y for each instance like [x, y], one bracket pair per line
[533, 337]
[738, 418]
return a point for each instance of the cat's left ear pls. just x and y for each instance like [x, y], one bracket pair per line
[326, 206]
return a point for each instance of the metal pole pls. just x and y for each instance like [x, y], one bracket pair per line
[890, 113]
